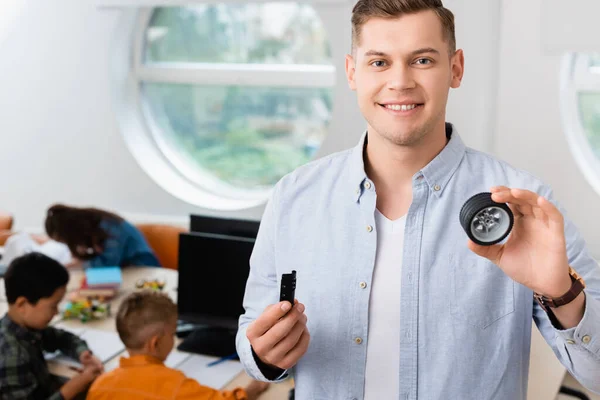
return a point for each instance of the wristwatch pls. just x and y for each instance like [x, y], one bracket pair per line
[577, 286]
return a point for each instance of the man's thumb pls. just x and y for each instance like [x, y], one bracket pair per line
[492, 253]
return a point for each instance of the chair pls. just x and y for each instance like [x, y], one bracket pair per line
[6, 221]
[164, 240]
[6, 224]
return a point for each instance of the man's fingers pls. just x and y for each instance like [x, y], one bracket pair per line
[555, 218]
[516, 196]
[294, 355]
[264, 344]
[282, 328]
[521, 202]
[286, 344]
[267, 319]
[492, 253]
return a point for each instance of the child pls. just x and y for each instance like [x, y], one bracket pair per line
[98, 238]
[35, 284]
[146, 322]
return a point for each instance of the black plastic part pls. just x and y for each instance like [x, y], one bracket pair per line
[473, 206]
[288, 287]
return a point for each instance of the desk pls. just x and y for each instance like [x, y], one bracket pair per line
[546, 374]
[130, 276]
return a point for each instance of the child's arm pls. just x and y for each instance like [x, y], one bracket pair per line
[191, 389]
[79, 383]
[57, 339]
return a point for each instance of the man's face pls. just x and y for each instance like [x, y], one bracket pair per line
[402, 72]
[38, 316]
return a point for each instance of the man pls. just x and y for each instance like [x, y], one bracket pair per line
[400, 304]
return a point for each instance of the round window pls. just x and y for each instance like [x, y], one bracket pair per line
[235, 95]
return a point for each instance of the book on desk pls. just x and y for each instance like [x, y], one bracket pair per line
[102, 282]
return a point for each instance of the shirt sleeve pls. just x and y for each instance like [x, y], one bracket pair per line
[261, 290]
[114, 245]
[191, 389]
[577, 348]
[69, 344]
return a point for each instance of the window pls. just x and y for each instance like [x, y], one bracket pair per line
[581, 112]
[235, 96]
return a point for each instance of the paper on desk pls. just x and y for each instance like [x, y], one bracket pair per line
[105, 345]
[216, 376]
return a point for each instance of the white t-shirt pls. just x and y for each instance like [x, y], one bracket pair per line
[382, 379]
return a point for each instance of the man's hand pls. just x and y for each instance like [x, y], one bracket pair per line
[279, 336]
[535, 253]
[88, 359]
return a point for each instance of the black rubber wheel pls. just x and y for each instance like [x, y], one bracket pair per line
[485, 221]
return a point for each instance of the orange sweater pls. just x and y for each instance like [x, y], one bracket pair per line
[146, 377]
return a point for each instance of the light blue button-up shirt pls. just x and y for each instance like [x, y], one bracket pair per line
[465, 326]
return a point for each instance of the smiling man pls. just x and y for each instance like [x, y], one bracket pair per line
[394, 302]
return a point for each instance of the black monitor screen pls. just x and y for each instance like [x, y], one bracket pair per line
[213, 270]
[224, 226]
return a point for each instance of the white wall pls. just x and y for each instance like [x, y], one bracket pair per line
[529, 132]
[60, 140]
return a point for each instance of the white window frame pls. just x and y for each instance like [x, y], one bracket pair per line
[143, 136]
[578, 77]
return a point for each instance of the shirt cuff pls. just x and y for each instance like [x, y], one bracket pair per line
[262, 372]
[585, 334]
[56, 396]
[81, 348]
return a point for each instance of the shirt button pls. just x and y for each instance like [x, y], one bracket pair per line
[358, 340]
[369, 228]
[362, 285]
[570, 341]
[586, 339]
[367, 185]
[437, 188]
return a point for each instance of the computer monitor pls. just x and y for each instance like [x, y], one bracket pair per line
[213, 270]
[224, 226]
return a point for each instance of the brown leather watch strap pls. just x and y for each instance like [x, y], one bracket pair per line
[577, 286]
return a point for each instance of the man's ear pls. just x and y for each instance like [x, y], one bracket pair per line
[350, 71]
[457, 65]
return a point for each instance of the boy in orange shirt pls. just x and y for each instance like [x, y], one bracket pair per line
[146, 322]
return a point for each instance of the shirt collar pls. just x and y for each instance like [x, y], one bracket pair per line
[139, 360]
[437, 173]
[9, 326]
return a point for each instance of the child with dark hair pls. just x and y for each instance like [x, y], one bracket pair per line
[98, 238]
[35, 284]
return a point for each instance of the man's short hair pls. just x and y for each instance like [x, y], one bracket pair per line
[143, 314]
[366, 9]
[34, 276]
